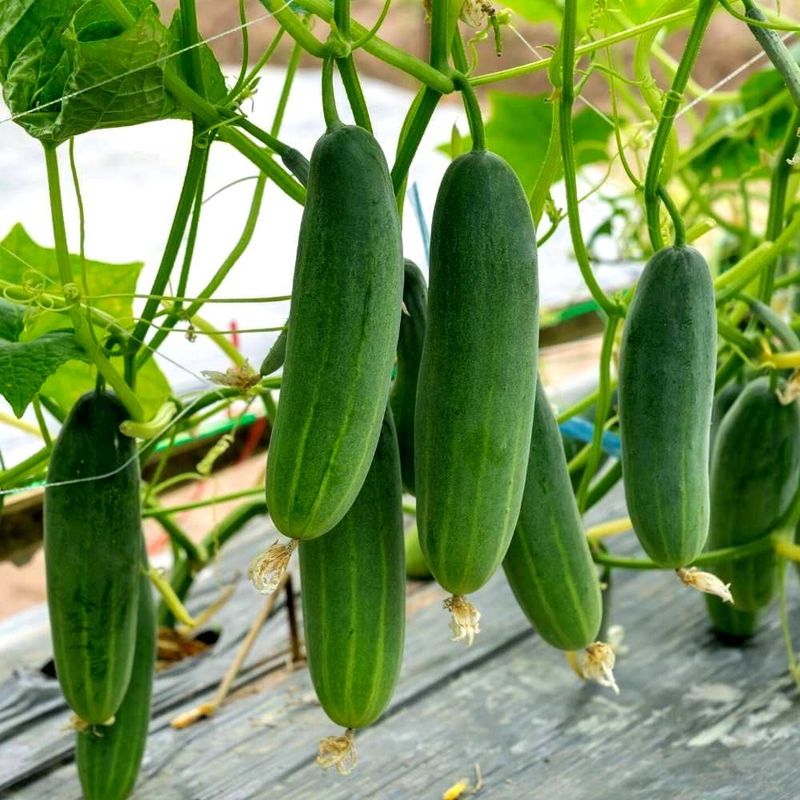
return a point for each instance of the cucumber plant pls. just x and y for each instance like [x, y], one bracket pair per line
[703, 352]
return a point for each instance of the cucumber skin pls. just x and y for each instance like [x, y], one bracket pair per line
[353, 592]
[755, 468]
[666, 391]
[549, 565]
[409, 352]
[108, 758]
[342, 334]
[92, 547]
[477, 377]
[731, 625]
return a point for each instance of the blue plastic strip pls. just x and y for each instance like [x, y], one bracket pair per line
[583, 431]
[424, 231]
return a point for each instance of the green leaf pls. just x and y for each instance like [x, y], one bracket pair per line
[24, 366]
[74, 379]
[75, 50]
[213, 80]
[12, 320]
[518, 129]
[22, 260]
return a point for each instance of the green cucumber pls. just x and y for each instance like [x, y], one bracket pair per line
[108, 757]
[666, 390]
[92, 548]
[730, 625]
[477, 378]
[342, 335]
[276, 356]
[409, 352]
[755, 469]
[353, 591]
[549, 565]
[415, 562]
[725, 398]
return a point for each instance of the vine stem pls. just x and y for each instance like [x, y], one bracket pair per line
[473, 111]
[567, 100]
[632, 32]
[652, 189]
[776, 214]
[79, 322]
[601, 411]
[706, 559]
[328, 98]
[414, 127]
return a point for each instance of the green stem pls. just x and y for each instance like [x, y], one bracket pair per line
[585, 49]
[37, 409]
[604, 484]
[414, 127]
[672, 101]
[548, 172]
[12, 475]
[601, 411]
[195, 170]
[178, 536]
[255, 70]
[377, 47]
[355, 94]
[219, 339]
[159, 511]
[473, 110]
[79, 322]
[776, 215]
[706, 559]
[777, 52]
[190, 36]
[440, 30]
[295, 27]
[328, 99]
[567, 55]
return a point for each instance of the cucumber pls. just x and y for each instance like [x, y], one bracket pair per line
[415, 562]
[549, 565]
[409, 353]
[722, 404]
[477, 378]
[353, 592]
[755, 469]
[730, 625]
[341, 339]
[108, 757]
[666, 389]
[92, 548]
[274, 359]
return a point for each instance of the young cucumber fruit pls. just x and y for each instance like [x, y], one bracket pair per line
[108, 757]
[341, 337]
[755, 468]
[353, 590]
[92, 548]
[477, 377]
[549, 564]
[666, 389]
[409, 352]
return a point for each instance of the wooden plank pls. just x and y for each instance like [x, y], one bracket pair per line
[695, 719]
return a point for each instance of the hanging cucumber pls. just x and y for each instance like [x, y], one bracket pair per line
[722, 405]
[108, 757]
[92, 548]
[409, 352]
[666, 389]
[549, 564]
[353, 591]
[477, 377]
[341, 338]
[755, 468]
[415, 562]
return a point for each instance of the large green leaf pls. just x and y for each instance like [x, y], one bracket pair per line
[518, 129]
[12, 320]
[23, 260]
[73, 379]
[68, 67]
[24, 366]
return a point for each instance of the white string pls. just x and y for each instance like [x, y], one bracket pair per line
[158, 61]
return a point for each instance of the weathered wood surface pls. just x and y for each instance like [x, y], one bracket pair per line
[694, 720]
